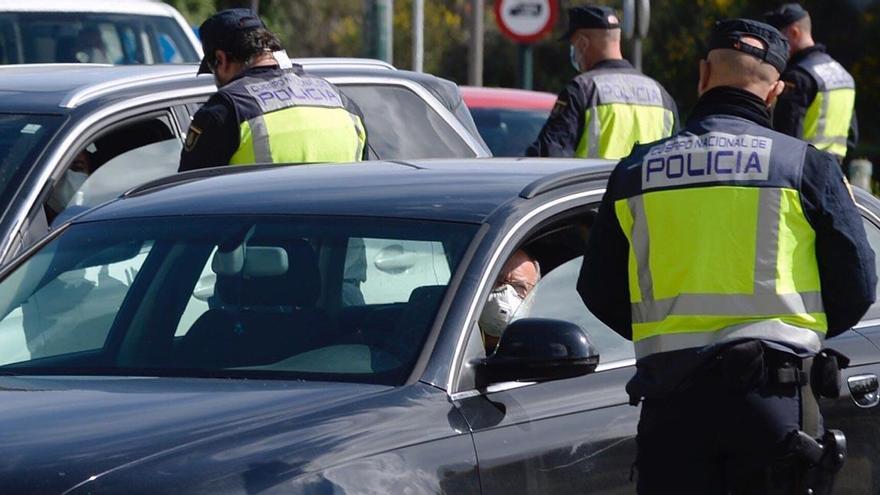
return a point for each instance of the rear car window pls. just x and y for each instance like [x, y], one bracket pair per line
[508, 132]
[39, 37]
[402, 125]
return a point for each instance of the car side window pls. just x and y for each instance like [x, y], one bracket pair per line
[874, 240]
[555, 296]
[115, 162]
[384, 271]
[408, 127]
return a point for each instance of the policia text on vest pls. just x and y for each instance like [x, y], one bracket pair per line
[273, 115]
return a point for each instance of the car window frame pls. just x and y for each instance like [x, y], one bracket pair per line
[553, 206]
[164, 113]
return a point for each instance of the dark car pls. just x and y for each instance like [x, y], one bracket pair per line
[313, 330]
[129, 123]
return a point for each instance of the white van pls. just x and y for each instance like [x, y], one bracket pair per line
[95, 31]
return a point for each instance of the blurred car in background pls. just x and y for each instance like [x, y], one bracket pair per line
[509, 120]
[74, 136]
[94, 31]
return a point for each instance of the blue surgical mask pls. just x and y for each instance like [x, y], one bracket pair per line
[572, 54]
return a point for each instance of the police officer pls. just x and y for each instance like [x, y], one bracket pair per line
[266, 109]
[727, 254]
[610, 105]
[818, 104]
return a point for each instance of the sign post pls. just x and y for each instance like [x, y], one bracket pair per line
[526, 22]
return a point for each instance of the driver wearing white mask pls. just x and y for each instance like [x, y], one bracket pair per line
[517, 279]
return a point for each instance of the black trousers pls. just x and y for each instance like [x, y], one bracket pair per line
[709, 439]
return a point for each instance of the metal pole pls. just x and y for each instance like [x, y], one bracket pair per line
[255, 6]
[475, 47]
[379, 26]
[388, 30]
[418, 35]
[525, 66]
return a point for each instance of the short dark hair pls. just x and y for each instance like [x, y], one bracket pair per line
[242, 46]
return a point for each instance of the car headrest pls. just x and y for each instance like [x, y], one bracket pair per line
[283, 273]
[251, 262]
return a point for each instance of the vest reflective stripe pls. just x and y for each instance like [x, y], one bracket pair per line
[725, 304]
[625, 108]
[827, 121]
[260, 137]
[301, 135]
[708, 259]
[611, 130]
[761, 329]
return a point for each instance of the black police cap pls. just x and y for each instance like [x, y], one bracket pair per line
[215, 31]
[785, 15]
[590, 17]
[730, 32]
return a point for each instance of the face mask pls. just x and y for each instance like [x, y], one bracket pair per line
[572, 54]
[499, 310]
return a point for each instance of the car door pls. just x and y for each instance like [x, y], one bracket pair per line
[567, 436]
[856, 412]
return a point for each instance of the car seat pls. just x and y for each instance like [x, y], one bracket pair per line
[411, 330]
[263, 308]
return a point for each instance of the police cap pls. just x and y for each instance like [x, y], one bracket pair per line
[785, 15]
[590, 17]
[216, 30]
[730, 32]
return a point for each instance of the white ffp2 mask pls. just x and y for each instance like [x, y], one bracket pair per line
[499, 310]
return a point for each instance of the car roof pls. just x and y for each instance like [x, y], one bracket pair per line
[463, 190]
[518, 99]
[56, 88]
[131, 7]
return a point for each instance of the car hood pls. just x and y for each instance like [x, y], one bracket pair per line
[61, 432]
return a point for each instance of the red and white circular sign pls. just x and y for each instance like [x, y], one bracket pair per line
[526, 21]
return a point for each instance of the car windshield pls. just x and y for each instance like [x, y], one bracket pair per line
[27, 38]
[508, 132]
[22, 138]
[330, 298]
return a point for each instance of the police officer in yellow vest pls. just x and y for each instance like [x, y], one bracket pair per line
[266, 109]
[818, 104]
[610, 105]
[727, 254]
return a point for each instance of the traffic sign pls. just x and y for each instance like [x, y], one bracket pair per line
[526, 21]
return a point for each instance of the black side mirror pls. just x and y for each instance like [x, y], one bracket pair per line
[537, 350]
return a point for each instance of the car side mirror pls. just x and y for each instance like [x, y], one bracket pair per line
[538, 350]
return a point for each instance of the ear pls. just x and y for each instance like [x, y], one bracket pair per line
[775, 90]
[220, 59]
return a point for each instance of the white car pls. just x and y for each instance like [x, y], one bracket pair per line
[95, 31]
